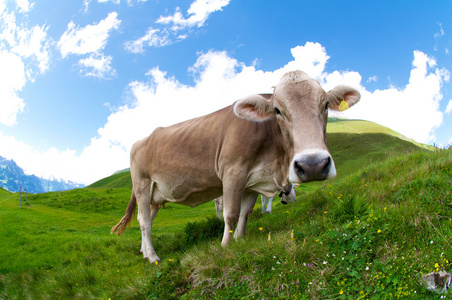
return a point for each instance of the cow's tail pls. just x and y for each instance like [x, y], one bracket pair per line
[130, 212]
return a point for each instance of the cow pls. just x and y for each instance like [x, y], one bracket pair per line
[287, 195]
[255, 146]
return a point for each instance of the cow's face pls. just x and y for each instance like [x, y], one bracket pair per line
[300, 106]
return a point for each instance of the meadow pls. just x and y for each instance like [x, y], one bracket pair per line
[369, 234]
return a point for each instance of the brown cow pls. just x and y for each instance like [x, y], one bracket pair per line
[255, 146]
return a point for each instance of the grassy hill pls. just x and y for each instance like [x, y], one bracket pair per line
[117, 180]
[353, 144]
[369, 233]
[3, 192]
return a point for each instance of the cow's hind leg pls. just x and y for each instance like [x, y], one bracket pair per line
[146, 215]
[247, 204]
[270, 204]
[264, 200]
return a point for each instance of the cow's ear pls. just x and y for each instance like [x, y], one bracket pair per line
[342, 97]
[255, 108]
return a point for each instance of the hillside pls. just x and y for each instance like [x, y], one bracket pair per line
[368, 234]
[118, 180]
[337, 125]
[4, 192]
[352, 143]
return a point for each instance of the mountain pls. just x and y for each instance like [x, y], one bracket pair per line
[13, 178]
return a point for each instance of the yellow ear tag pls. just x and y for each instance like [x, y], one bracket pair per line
[343, 106]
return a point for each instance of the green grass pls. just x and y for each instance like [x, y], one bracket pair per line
[3, 192]
[369, 234]
[336, 125]
[121, 179]
[52, 249]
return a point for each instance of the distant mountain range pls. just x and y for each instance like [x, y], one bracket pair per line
[13, 178]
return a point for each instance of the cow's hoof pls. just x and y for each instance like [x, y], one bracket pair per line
[155, 260]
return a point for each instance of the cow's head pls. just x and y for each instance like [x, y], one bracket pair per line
[300, 106]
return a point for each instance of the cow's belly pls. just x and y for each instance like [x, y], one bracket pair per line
[186, 192]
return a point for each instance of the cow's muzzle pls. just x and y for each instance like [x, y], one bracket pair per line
[312, 166]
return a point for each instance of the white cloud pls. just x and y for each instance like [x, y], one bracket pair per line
[12, 80]
[89, 39]
[372, 78]
[24, 52]
[449, 107]
[24, 5]
[98, 66]
[413, 110]
[113, 1]
[152, 38]
[440, 33]
[310, 58]
[198, 13]
[219, 80]
[34, 43]
[54, 163]
[129, 2]
[92, 40]
[27, 43]
[169, 33]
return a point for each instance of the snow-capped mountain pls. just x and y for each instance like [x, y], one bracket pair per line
[13, 178]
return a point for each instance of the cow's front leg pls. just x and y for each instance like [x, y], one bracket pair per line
[232, 199]
[248, 201]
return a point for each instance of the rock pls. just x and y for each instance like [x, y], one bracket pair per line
[437, 282]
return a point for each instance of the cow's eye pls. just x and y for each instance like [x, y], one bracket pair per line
[278, 112]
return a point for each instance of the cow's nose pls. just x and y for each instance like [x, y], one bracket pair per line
[312, 167]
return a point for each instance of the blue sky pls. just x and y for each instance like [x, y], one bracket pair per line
[80, 81]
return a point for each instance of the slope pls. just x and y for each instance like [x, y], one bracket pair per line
[118, 180]
[369, 235]
[352, 143]
[388, 191]
[3, 192]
